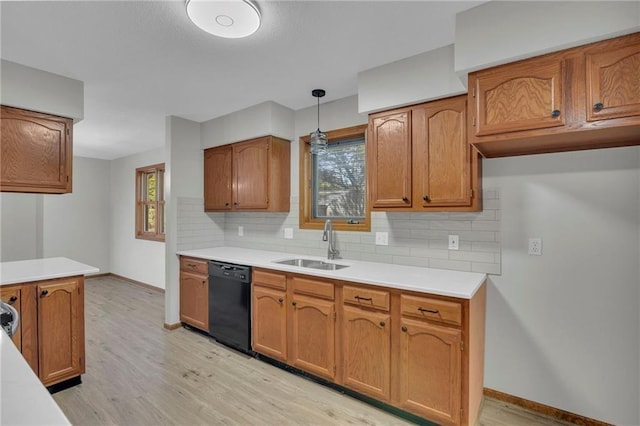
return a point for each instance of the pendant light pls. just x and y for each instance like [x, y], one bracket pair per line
[318, 140]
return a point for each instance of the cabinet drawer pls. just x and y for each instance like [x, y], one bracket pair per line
[312, 287]
[194, 265]
[433, 309]
[365, 297]
[270, 279]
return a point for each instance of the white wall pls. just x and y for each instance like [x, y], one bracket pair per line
[21, 226]
[37, 90]
[184, 178]
[498, 32]
[77, 225]
[416, 79]
[563, 328]
[137, 259]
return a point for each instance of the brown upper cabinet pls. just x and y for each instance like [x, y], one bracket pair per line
[419, 159]
[581, 98]
[253, 175]
[36, 152]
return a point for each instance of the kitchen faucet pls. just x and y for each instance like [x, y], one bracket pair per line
[327, 235]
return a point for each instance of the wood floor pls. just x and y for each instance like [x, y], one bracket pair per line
[138, 373]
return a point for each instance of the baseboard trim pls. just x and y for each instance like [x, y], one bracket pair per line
[129, 280]
[547, 410]
[172, 326]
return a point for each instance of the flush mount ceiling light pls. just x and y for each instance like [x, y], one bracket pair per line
[318, 140]
[228, 19]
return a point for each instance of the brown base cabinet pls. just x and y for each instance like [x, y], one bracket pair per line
[194, 292]
[51, 333]
[421, 353]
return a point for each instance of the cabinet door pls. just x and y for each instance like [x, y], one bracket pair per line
[60, 330]
[367, 351]
[613, 83]
[36, 152]
[217, 178]
[525, 95]
[313, 336]
[251, 174]
[12, 296]
[194, 300]
[430, 366]
[441, 154]
[269, 323]
[389, 159]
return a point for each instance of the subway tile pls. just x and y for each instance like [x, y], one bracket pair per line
[450, 225]
[471, 256]
[456, 265]
[377, 257]
[487, 268]
[427, 253]
[485, 225]
[410, 261]
[477, 236]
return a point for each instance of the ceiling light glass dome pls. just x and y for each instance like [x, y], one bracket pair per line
[228, 18]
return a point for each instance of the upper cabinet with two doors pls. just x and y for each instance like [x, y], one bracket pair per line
[419, 159]
[581, 98]
[253, 175]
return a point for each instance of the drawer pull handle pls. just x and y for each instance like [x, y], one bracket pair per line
[359, 298]
[382, 323]
[44, 293]
[191, 265]
[13, 299]
[404, 328]
[431, 311]
[598, 107]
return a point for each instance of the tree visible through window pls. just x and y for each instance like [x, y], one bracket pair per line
[333, 184]
[150, 218]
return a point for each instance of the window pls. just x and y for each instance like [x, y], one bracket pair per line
[150, 219]
[333, 185]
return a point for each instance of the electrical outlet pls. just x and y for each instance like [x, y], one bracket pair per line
[535, 246]
[240, 231]
[382, 238]
[453, 242]
[288, 233]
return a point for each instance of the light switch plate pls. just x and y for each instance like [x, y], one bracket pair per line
[382, 238]
[454, 243]
[288, 233]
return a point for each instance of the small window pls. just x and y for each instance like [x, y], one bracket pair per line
[150, 218]
[333, 184]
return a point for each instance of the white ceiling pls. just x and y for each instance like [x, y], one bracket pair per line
[143, 60]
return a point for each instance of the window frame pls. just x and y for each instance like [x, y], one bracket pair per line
[307, 221]
[159, 203]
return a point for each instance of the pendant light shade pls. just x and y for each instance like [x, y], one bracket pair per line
[318, 140]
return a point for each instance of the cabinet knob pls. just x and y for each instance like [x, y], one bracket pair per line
[404, 328]
[226, 204]
[426, 198]
[555, 113]
[280, 300]
[204, 281]
[13, 299]
[44, 292]
[598, 107]
[382, 323]
[293, 303]
[235, 204]
[405, 199]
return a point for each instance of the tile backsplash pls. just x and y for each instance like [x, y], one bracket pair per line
[419, 239]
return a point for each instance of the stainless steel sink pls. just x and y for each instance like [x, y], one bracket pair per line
[312, 263]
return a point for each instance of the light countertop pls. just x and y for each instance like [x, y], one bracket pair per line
[25, 400]
[23, 271]
[426, 280]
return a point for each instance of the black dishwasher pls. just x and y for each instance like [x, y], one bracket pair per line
[230, 304]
